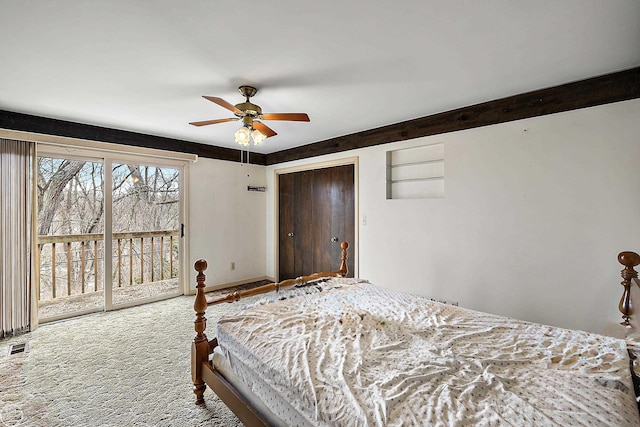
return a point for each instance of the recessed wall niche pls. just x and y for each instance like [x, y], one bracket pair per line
[416, 173]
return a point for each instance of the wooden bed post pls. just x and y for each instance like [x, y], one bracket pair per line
[343, 264]
[200, 345]
[629, 260]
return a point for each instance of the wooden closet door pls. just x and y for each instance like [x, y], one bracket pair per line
[316, 213]
[295, 224]
[334, 211]
[323, 206]
[304, 208]
[286, 225]
[343, 215]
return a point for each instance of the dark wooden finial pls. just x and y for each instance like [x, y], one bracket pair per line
[200, 265]
[629, 260]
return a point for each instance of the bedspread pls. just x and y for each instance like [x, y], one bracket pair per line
[362, 355]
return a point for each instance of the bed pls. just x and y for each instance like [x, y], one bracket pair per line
[325, 350]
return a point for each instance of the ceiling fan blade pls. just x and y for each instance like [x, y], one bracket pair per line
[264, 129]
[221, 102]
[213, 122]
[292, 117]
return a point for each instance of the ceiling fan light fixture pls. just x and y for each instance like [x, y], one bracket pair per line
[242, 136]
[250, 113]
[258, 137]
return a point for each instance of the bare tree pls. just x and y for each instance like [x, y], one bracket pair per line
[52, 179]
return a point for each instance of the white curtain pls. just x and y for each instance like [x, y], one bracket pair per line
[16, 159]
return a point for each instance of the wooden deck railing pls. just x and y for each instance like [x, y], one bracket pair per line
[133, 253]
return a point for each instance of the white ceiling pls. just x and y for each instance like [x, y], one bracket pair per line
[143, 65]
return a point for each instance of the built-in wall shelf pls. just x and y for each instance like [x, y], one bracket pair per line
[416, 173]
[417, 179]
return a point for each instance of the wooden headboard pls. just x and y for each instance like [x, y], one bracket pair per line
[631, 295]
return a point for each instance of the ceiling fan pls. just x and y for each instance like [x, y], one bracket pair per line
[250, 114]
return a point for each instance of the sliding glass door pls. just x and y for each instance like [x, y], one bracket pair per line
[109, 233]
[146, 232]
[70, 236]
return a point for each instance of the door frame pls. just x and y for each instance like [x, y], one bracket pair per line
[353, 251]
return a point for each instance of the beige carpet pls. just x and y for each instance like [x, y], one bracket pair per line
[122, 368]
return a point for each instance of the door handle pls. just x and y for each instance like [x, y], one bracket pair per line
[290, 234]
[334, 239]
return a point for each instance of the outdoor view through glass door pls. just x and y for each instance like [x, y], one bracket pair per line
[146, 232]
[139, 212]
[70, 244]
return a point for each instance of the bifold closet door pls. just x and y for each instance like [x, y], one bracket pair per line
[316, 213]
[333, 208]
[343, 227]
[296, 224]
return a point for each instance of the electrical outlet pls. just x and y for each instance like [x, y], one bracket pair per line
[233, 265]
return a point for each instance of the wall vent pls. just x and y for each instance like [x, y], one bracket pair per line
[17, 348]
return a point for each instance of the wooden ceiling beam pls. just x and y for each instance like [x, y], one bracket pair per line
[28, 123]
[614, 87]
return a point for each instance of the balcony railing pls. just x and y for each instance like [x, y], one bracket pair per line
[70, 264]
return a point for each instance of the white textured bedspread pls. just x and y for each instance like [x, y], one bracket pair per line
[360, 355]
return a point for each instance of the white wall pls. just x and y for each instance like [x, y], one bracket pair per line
[534, 215]
[226, 222]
